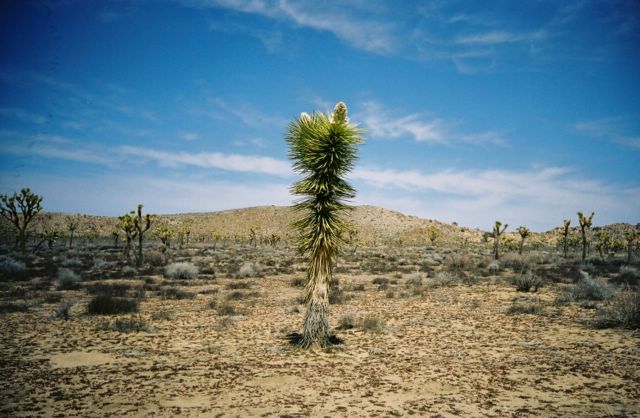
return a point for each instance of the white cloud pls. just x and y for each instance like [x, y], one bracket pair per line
[246, 113]
[616, 129]
[189, 136]
[500, 37]
[229, 162]
[22, 115]
[370, 33]
[539, 198]
[380, 123]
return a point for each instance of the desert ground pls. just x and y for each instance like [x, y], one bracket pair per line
[437, 329]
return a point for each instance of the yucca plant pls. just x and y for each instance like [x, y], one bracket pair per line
[323, 149]
[565, 236]
[20, 209]
[585, 222]
[630, 237]
[524, 233]
[496, 238]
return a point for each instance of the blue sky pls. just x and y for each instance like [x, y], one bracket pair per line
[474, 111]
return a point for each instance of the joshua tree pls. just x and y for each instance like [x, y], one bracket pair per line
[433, 235]
[164, 233]
[605, 243]
[115, 234]
[127, 226]
[565, 236]
[524, 233]
[19, 210]
[253, 236]
[323, 149]
[630, 237]
[584, 224]
[496, 238]
[140, 230]
[72, 225]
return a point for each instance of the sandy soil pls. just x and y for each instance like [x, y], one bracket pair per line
[452, 351]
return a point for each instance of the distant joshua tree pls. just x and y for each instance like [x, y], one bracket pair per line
[19, 210]
[496, 238]
[133, 226]
[323, 149]
[630, 237]
[433, 235]
[524, 233]
[72, 225]
[585, 223]
[565, 236]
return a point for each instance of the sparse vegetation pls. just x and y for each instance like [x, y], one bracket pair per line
[111, 305]
[181, 270]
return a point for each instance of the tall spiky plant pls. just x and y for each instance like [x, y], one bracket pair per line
[323, 149]
[524, 233]
[585, 222]
[496, 238]
[565, 236]
[20, 209]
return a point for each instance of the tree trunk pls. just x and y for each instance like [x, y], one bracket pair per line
[584, 245]
[521, 246]
[22, 240]
[496, 246]
[566, 246]
[139, 258]
[316, 323]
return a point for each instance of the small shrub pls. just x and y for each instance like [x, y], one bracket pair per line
[444, 278]
[297, 282]
[8, 307]
[390, 294]
[62, 311]
[163, 315]
[181, 271]
[494, 267]
[519, 309]
[111, 289]
[111, 305]
[239, 285]
[357, 288]
[68, 279]
[226, 309]
[177, 294]
[347, 321]
[11, 267]
[128, 271]
[372, 324]
[623, 310]
[126, 325]
[527, 283]
[336, 295]
[249, 269]
[155, 258]
[414, 280]
[589, 288]
[53, 297]
[629, 274]
[71, 262]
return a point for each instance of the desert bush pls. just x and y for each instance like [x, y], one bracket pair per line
[516, 262]
[128, 271]
[182, 270]
[444, 278]
[239, 285]
[414, 280]
[297, 282]
[249, 269]
[526, 282]
[176, 294]
[163, 315]
[372, 324]
[336, 295]
[381, 281]
[67, 279]
[10, 266]
[62, 311]
[357, 287]
[126, 325]
[458, 262]
[111, 305]
[71, 262]
[347, 321]
[9, 307]
[155, 258]
[226, 309]
[390, 294]
[623, 310]
[629, 274]
[589, 288]
[53, 297]
[528, 308]
[111, 289]
[494, 267]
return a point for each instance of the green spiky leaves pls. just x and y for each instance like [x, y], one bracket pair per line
[323, 149]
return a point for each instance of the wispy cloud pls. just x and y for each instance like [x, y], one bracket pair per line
[617, 129]
[499, 37]
[229, 162]
[381, 122]
[539, 198]
[248, 114]
[22, 115]
[370, 33]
